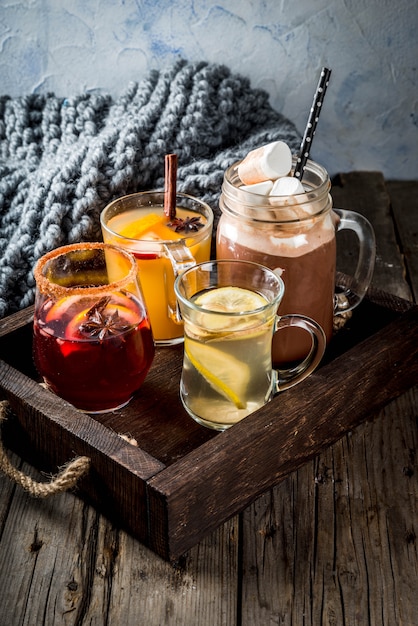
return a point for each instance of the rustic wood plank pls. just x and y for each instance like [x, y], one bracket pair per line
[404, 204]
[366, 193]
[48, 547]
[63, 563]
[7, 492]
[201, 589]
[335, 543]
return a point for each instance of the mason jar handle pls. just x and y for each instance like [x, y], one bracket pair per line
[181, 259]
[288, 377]
[350, 290]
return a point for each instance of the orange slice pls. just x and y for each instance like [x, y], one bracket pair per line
[127, 314]
[60, 307]
[135, 230]
[162, 232]
[151, 227]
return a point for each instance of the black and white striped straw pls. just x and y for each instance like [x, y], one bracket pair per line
[309, 133]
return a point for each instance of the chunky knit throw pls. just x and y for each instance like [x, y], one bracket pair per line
[63, 159]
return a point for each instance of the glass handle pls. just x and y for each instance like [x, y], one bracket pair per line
[181, 259]
[288, 377]
[350, 290]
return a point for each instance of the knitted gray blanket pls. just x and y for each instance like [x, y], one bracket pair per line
[63, 159]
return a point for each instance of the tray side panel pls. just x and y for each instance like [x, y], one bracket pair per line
[52, 433]
[227, 473]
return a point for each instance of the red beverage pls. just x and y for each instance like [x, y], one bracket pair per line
[93, 353]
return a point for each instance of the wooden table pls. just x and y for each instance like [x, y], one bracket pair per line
[335, 543]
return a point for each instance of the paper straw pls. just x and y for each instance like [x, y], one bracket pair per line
[309, 133]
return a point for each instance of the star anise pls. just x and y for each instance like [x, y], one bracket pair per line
[101, 325]
[187, 225]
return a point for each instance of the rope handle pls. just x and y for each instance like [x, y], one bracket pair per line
[66, 479]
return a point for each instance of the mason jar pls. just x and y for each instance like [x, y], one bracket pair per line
[295, 236]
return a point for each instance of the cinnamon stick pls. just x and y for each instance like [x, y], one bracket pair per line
[170, 189]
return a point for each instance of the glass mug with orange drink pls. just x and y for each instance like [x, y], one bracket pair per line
[162, 246]
[92, 341]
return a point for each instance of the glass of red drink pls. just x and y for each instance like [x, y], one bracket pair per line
[93, 343]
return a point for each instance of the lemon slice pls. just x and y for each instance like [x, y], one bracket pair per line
[222, 371]
[231, 300]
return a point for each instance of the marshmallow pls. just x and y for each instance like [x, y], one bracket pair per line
[262, 189]
[267, 162]
[287, 186]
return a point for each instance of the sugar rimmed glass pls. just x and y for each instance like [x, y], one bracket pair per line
[92, 340]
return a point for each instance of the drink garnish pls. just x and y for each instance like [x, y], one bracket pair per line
[187, 225]
[138, 228]
[224, 373]
[268, 162]
[170, 189]
[101, 325]
[231, 300]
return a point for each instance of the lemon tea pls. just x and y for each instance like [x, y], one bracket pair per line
[229, 310]
[222, 384]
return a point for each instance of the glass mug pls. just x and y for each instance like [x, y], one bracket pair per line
[296, 237]
[137, 223]
[229, 309]
[92, 340]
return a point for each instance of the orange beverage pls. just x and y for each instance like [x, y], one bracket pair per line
[162, 247]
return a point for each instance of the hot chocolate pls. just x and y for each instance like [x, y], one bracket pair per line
[295, 236]
[306, 265]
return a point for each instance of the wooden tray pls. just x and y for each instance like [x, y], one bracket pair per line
[183, 480]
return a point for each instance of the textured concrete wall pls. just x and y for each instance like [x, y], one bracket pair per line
[370, 115]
